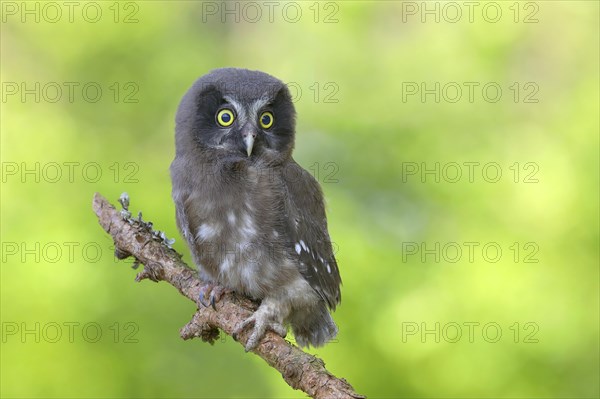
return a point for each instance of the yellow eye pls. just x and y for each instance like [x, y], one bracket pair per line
[225, 117]
[266, 120]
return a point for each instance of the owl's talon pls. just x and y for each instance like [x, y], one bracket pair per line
[216, 292]
[203, 290]
[212, 300]
[241, 327]
[278, 329]
[261, 325]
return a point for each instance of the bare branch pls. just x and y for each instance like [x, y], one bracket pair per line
[133, 237]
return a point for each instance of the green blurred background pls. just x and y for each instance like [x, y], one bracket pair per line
[418, 318]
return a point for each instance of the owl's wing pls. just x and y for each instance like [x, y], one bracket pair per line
[184, 216]
[188, 220]
[307, 229]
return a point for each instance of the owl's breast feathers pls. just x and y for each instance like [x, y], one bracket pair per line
[253, 227]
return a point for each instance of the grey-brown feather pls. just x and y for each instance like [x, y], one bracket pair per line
[255, 224]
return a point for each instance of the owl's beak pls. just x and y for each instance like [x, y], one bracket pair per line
[249, 141]
[248, 136]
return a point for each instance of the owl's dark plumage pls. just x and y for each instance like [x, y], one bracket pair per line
[253, 218]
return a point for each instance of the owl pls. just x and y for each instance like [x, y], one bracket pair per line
[253, 218]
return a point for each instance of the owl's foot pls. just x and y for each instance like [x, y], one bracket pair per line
[262, 321]
[214, 291]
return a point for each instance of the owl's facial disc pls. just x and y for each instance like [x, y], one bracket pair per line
[238, 120]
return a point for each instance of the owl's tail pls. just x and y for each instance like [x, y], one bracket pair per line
[315, 327]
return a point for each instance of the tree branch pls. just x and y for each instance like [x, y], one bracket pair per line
[134, 237]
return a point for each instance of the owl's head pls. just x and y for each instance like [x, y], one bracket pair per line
[237, 114]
